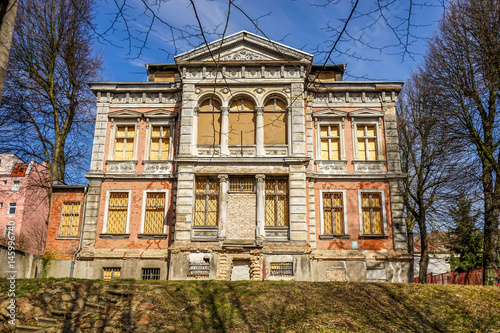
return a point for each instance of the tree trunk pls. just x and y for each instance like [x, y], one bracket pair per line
[490, 255]
[411, 253]
[424, 259]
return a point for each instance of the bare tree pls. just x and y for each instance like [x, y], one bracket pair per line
[463, 64]
[47, 105]
[425, 158]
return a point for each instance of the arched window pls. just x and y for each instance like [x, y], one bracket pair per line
[275, 122]
[241, 122]
[209, 122]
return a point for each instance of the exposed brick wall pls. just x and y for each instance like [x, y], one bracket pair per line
[222, 267]
[241, 221]
[255, 267]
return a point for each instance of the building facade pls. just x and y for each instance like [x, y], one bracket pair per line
[243, 160]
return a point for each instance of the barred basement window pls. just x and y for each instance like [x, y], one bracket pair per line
[110, 273]
[242, 185]
[199, 270]
[70, 218]
[155, 213]
[207, 202]
[276, 202]
[281, 269]
[150, 273]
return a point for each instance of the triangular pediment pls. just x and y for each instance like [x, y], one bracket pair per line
[241, 47]
[329, 113]
[366, 113]
[124, 114]
[160, 113]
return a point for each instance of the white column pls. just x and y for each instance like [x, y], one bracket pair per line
[222, 205]
[259, 131]
[261, 206]
[224, 131]
[194, 143]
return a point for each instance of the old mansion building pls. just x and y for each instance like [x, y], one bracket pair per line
[241, 160]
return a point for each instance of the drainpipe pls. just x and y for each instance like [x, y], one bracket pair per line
[81, 233]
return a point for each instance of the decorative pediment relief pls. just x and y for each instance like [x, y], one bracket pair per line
[329, 113]
[366, 113]
[160, 113]
[244, 46]
[124, 114]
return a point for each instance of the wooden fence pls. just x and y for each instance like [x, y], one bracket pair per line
[474, 277]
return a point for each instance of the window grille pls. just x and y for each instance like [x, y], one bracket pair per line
[199, 270]
[276, 202]
[150, 273]
[333, 213]
[160, 143]
[207, 202]
[281, 269]
[110, 273]
[12, 208]
[155, 213]
[371, 206]
[242, 185]
[70, 218]
[124, 142]
[330, 142]
[117, 213]
[367, 142]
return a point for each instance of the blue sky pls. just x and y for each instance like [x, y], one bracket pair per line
[370, 47]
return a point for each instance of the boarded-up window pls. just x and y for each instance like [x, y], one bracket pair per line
[367, 142]
[207, 202]
[70, 218]
[241, 129]
[111, 273]
[281, 269]
[160, 143]
[275, 122]
[155, 213]
[124, 142]
[276, 202]
[117, 213]
[330, 142]
[333, 213]
[209, 122]
[371, 207]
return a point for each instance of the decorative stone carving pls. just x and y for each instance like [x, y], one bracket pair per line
[204, 234]
[236, 151]
[197, 91]
[208, 151]
[259, 90]
[121, 166]
[225, 90]
[369, 166]
[331, 167]
[242, 55]
[157, 167]
[276, 151]
[276, 233]
[286, 90]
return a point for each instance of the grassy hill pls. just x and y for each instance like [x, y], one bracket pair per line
[216, 306]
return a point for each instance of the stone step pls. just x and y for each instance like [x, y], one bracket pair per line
[29, 329]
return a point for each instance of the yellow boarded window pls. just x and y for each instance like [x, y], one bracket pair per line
[333, 213]
[207, 202]
[209, 122]
[117, 213]
[70, 218]
[371, 207]
[276, 202]
[275, 122]
[110, 273]
[367, 142]
[241, 129]
[160, 143]
[155, 213]
[124, 142]
[330, 142]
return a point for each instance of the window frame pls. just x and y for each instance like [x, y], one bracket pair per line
[367, 117]
[206, 194]
[331, 122]
[143, 216]
[198, 111]
[322, 227]
[15, 186]
[106, 210]
[12, 205]
[242, 99]
[159, 120]
[113, 269]
[150, 272]
[77, 224]
[286, 115]
[276, 194]
[384, 213]
[115, 122]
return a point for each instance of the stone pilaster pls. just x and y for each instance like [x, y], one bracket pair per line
[298, 120]
[184, 203]
[312, 216]
[186, 141]
[261, 206]
[259, 131]
[224, 129]
[101, 123]
[298, 204]
[92, 205]
[223, 189]
[399, 234]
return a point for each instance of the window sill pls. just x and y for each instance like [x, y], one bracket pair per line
[68, 237]
[152, 236]
[334, 237]
[373, 236]
[115, 236]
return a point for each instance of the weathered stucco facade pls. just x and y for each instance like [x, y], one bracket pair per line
[260, 164]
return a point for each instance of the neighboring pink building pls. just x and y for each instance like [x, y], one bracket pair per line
[23, 203]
